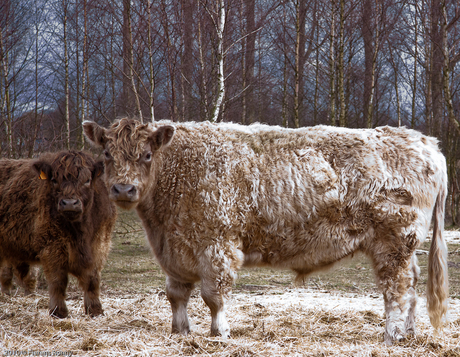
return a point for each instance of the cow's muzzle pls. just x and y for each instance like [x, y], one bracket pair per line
[70, 205]
[125, 195]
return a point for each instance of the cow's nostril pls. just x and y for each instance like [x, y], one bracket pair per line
[115, 189]
[70, 204]
[124, 192]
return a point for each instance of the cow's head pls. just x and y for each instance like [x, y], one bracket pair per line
[70, 176]
[130, 150]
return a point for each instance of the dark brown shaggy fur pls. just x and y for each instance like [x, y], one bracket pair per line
[55, 211]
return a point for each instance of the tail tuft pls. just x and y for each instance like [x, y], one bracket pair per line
[438, 286]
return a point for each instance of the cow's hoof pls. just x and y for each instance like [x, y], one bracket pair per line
[6, 292]
[225, 333]
[183, 330]
[94, 310]
[59, 313]
[389, 341]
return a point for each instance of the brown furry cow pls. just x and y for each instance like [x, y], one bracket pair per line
[55, 211]
[215, 197]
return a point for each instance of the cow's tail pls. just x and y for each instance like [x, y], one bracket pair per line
[437, 286]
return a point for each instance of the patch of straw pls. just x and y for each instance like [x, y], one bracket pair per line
[140, 326]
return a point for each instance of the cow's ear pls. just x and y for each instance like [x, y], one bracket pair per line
[94, 133]
[43, 170]
[162, 136]
[98, 169]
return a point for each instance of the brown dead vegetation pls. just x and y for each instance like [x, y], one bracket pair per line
[140, 326]
[137, 320]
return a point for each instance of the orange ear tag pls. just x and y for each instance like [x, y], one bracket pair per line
[42, 176]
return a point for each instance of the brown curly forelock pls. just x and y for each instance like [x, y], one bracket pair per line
[69, 164]
[128, 137]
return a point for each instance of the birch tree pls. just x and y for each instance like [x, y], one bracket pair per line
[217, 14]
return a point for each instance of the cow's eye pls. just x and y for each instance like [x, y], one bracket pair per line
[88, 183]
[107, 155]
[148, 156]
[53, 181]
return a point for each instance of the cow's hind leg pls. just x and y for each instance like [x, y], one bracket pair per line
[397, 272]
[27, 276]
[90, 283]
[410, 320]
[178, 294]
[6, 278]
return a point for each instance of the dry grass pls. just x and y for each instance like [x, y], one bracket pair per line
[137, 315]
[140, 326]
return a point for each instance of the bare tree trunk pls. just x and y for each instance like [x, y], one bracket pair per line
[112, 68]
[332, 112]
[284, 104]
[317, 70]
[32, 146]
[66, 80]
[127, 94]
[370, 107]
[414, 84]
[84, 78]
[37, 121]
[396, 86]
[204, 101]
[426, 18]
[249, 55]
[131, 67]
[170, 61]
[6, 99]
[151, 70]
[446, 70]
[243, 65]
[437, 62]
[299, 56]
[187, 58]
[342, 118]
[6, 105]
[219, 23]
[130, 92]
[371, 45]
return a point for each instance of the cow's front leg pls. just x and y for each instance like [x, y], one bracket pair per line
[178, 294]
[215, 299]
[57, 285]
[219, 264]
[90, 283]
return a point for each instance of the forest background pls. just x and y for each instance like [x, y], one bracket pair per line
[354, 63]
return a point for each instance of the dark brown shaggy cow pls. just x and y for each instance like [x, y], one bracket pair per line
[215, 197]
[55, 211]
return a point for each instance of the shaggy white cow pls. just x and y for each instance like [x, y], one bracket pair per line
[215, 197]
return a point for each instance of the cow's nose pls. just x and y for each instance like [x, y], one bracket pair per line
[124, 192]
[70, 205]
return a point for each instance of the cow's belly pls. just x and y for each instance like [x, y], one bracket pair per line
[304, 250]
